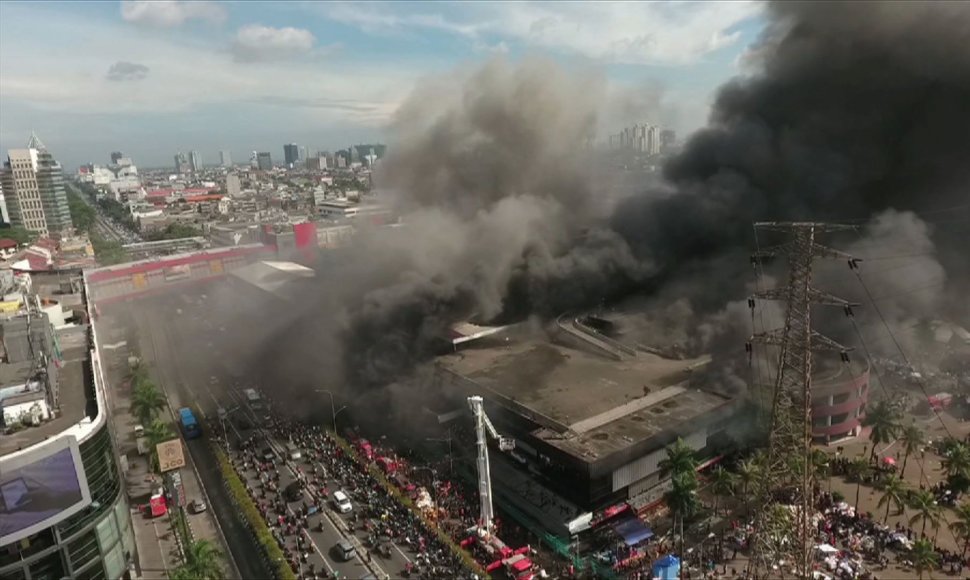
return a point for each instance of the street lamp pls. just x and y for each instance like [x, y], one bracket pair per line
[451, 457]
[333, 411]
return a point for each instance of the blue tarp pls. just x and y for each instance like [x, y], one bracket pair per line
[633, 531]
[666, 568]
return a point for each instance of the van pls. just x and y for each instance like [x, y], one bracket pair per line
[344, 551]
[293, 451]
[341, 502]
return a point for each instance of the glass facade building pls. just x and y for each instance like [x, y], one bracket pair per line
[96, 543]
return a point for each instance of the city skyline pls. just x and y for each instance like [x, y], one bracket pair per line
[323, 75]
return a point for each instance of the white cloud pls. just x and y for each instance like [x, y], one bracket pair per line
[618, 32]
[189, 75]
[168, 13]
[259, 43]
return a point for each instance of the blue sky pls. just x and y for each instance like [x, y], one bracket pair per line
[151, 78]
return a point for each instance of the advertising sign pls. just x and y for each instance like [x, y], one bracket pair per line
[170, 455]
[40, 488]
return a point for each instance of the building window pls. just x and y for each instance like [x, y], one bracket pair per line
[841, 398]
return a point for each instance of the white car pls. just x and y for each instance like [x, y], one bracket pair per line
[341, 502]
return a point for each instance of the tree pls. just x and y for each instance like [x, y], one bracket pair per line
[147, 401]
[748, 472]
[723, 483]
[856, 471]
[912, 439]
[157, 432]
[108, 252]
[682, 497]
[680, 459]
[961, 527]
[894, 493]
[202, 562]
[956, 465]
[884, 421]
[923, 502]
[82, 214]
[18, 234]
[924, 556]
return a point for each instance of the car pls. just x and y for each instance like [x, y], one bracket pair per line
[197, 506]
[344, 551]
[268, 454]
[293, 492]
[341, 502]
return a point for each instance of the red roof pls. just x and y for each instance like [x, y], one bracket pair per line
[7, 243]
[204, 197]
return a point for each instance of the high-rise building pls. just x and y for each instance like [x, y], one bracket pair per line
[291, 154]
[253, 160]
[195, 161]
[182, 163]
[225, 159]
[303, 154]
[233, 187]
[115, 156]
[33, 188]
[640, 138]
[264, 161]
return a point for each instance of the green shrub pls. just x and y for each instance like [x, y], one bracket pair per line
[256, 522]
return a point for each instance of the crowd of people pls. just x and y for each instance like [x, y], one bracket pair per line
[384, 517]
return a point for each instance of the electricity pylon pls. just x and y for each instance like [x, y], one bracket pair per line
[783, 535]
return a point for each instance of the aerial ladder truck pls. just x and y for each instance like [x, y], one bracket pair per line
[516, 563]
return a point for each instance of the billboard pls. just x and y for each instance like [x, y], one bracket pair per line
[40, 488]
[170, 455]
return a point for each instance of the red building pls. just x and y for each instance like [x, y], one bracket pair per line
[839, 405]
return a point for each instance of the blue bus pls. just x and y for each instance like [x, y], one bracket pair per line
[190, 427]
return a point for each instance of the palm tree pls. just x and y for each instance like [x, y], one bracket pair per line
[157, 432]
[924, 556]
[856, 471]
[202, 561]
[924, 504]
[147, 401]
[912, 439]
[956, 465]
[748, 472]
[723, 482]
[884, 420]
[894, 492]
[680, 459]
[961, 527]
[682, 498]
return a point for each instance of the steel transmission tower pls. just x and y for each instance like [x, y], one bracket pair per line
[784, 534]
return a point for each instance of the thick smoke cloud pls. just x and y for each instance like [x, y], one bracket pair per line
[853, 110]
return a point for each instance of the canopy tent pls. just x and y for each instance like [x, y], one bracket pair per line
[633, 530]
[666, 568]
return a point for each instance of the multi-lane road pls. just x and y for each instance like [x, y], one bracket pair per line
[181, 333]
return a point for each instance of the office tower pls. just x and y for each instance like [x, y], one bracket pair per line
[253, 160]
[225, 159]
[264, 161]
[195, 160]
[291, 154]
[33, 188]
[303, 154]
[182, 163]
[115, 156]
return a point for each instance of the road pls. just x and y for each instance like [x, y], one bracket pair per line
[183, 338]
[109, 229]
[246, 559]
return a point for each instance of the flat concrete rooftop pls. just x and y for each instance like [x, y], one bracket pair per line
[73, 401]
[606, 405]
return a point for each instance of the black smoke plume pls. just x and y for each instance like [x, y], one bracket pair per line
[848, 110]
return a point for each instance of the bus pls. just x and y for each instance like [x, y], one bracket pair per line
[190, 427]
